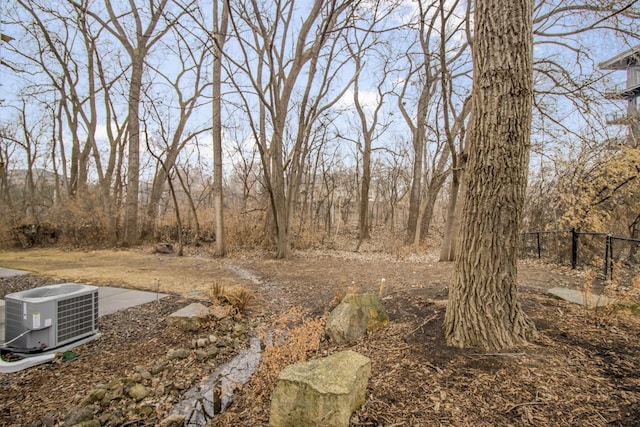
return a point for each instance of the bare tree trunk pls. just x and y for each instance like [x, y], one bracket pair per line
[137, 43]
[483, 309]
[220, 31]
[416, 185]
[178, 219]
[426, 214]
[448, 248]
[364, 192]
[282, 77]
[438, 177]
[133, 169]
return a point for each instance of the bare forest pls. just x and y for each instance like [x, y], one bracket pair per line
[284, 125]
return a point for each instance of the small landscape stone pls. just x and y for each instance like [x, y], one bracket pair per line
[146, 411]
[202, 355]
[202, 342]
[159, 390]
[181, 384]
[95, 395]
[180, 353]
[356, 315]
[578, 297]
[78, 414]
[213, 339]
[172, 421]
[110, 420]
[138, 392]
[145, 374]
[239, 329]
[89, 423]
[219, 312]
[159, 368]
[164, 248]
[212, 351]
[112, 394]
[225, 326]
[49, 420]
[190, 318]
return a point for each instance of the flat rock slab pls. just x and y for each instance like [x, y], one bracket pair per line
[577, 297]
[9, 272]
[191, 317]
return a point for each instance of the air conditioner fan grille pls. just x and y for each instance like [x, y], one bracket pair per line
[76, 317]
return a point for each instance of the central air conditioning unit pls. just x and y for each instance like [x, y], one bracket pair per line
[51, 316]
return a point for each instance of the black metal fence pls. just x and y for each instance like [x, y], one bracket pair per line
[610, 254]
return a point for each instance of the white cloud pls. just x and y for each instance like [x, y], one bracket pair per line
[368, 100]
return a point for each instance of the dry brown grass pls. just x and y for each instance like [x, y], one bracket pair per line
[240, 298]
[136, 269]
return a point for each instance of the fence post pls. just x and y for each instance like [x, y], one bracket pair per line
[538, 239]
[574, 248]
[611, 257]
[608, 258]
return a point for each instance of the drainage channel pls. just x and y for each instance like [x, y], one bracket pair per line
[214, 394]
[244, 274]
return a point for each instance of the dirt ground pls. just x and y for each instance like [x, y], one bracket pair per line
[582, 370]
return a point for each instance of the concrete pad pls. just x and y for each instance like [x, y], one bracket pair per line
[8, 272]
[577, 297]
[112, 299]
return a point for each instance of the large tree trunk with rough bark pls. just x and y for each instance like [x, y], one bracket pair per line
[483, 309]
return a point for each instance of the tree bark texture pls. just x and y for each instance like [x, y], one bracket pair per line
[483, 309]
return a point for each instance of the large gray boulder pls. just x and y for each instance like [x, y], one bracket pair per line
[322, 392]
[356, 315]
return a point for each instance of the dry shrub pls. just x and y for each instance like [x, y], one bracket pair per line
[83, 221]
[246, 230]
[6, 224]
[627, 295]
[216, 292]
[6, 239]
[588, 289]
[624, 297]
[308, 237]
[240, 298]
[341, 293]
[294, 337]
